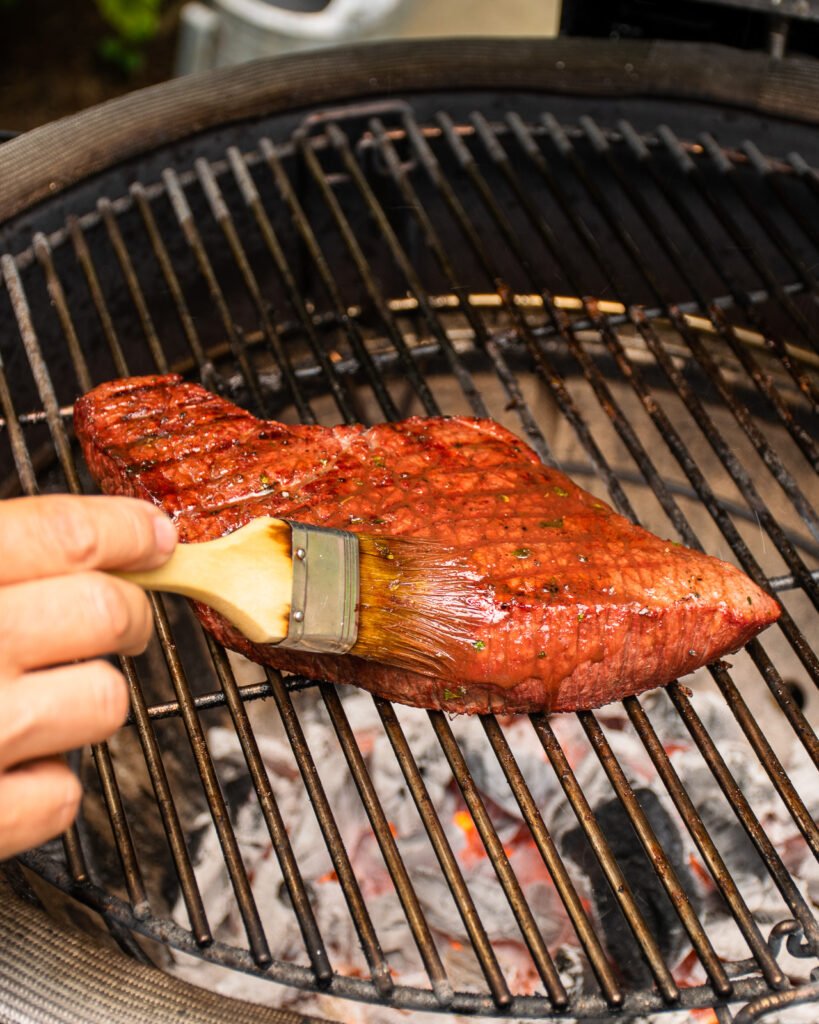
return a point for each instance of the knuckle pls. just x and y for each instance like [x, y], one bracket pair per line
[8, 624]
[68, 795]
[111, 604]
[52, 799]
[142, 529]
[110, 693]
[20, 720]
[78, 534]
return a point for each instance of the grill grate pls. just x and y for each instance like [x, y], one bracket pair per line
[350, 271]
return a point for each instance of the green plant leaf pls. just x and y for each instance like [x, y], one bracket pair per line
[119, 54]
[134, 21]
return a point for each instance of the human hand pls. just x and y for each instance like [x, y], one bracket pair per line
[57, 607]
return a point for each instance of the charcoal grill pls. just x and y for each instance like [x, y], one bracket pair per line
[563, 235]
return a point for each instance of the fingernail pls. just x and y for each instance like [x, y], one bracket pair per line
[165, 533]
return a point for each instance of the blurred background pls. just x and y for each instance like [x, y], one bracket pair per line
[56, 58]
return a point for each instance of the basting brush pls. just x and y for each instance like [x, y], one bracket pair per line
[400, 601]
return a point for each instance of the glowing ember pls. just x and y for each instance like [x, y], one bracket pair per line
[472, 849]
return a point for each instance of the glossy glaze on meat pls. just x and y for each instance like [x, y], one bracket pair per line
[588, 607]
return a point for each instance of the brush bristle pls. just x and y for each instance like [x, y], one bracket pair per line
[420, 604]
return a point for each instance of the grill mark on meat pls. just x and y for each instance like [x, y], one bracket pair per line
[588, 607]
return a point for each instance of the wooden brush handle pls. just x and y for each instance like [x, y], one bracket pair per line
[247, 576]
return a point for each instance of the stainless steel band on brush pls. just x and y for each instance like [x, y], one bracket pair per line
[323, 612]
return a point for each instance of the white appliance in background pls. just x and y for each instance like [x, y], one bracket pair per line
[224, 32]
[233, 31]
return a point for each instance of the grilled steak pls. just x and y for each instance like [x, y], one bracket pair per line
[588, 607]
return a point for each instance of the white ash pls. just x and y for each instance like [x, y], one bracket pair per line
[436, 899]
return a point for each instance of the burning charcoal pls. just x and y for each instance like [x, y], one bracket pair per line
[648, 891]
[528, 752]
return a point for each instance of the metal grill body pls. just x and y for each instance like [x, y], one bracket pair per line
[640, 306]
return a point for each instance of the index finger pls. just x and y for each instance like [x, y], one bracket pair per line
[60, 533]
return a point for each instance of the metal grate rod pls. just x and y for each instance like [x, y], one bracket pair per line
[482, 336]
[392, 858]
[611, 869]
[655, 853]
[238, 346]
[132, 282]
[107, 324]
[532, 935]
[385, 400]
[140, 197]
[717, 316]
[560, 876]
[210, 783]
[221, 214]
[745, 815]
[481, 944]
[770, 762]
[42, 250]
[368, 937]
[741, 478]
[766, 453]
[544, 369]
[200, 929]
[695, 229]
[365, 272]
[313, 941]
[726, 169]
[339, 140]
[711, 856]
[631, 373]
[250, 194]
[688, 166]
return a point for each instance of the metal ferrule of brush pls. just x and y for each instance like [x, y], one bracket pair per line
[323, 609]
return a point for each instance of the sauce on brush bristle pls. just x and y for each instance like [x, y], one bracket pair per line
[421, 605]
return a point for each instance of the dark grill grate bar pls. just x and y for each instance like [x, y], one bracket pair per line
[483, 338]
[770, 458]
[86, 262]
[464, 378]
[335, 845]
[717, 317]
[385, 402]
[745, 814]
[545, 371]
[704, 244]
[42, 251]
[500, 862]
[134, 289]
[714, 862]
[501, 995]
[365, 272]
[551, 858]
[665, 870]
[221, 214]
[251, 196]
[392, 858]
[200, 929]
[688, 167]
[216, 801]
[140, 197]
[727, 169]
[313, 942]
[237, 344]
[622, 890]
